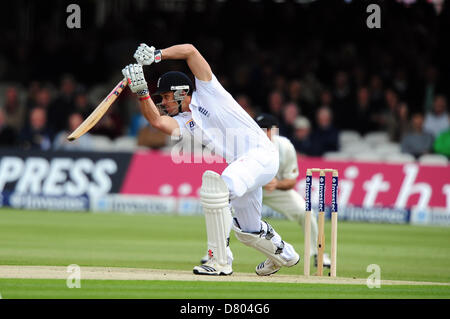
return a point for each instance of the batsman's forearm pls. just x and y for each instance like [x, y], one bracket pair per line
[164, 123]
[178, 52]
[150, 112]
[197, 64]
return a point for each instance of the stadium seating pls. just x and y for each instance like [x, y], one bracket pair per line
[387, 148]
[399, 158]
[356, 147]
[367, 157]
[337, 156]
[347, 137]
[376, 138]
[125, 144]
[102, 143]
[433, 159]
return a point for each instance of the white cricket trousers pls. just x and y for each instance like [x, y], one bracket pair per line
[245, 178]
[292, 205]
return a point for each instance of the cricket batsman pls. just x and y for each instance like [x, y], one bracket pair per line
[211, 115]
[279, 194]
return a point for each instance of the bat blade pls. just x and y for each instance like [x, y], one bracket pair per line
[99, 111]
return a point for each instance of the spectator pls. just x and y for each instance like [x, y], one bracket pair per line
[290, 113]
[342, 99]
[342, 90]
[442, 143]
[33, 90]
[83, 143]
[326, 100]
[417, 142]
[279, 83]
[376, 93]
[387, 118]
[296, 95]
[403, 124]
[111, 124]
[302, 135]
[400, 83]
[324, 138]
[63, 105]
[363, 118]
[244, 101]
[311, 90]
[359, 76]
[153, 138]
[14, 111]
[437, 121]
[8, 136]
[36, 134]
[276, 101]
[42, 99]
[431, 76]
[295, 91]
[82, 106]
[138, 121]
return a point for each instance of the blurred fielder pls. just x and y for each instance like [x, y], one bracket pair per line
[279, 194]
[211, 115]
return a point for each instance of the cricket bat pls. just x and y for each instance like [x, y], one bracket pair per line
[99, 111]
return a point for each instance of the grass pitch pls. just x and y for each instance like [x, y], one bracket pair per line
[155, 289]
[403, 252]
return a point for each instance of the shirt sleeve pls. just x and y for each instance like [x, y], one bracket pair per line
[290, 170]
[182, 124]
[212, 87]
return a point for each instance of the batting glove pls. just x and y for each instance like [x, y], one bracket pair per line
[135, 78]
[146, 55]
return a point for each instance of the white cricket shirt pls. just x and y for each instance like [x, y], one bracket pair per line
[220, 123]
[288, 158]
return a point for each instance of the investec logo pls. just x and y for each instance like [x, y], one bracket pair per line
[321, 193]
[308, 192]
[333, 193]
[56, 177]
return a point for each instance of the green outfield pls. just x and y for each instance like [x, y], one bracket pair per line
[403, 252]
[134, 289]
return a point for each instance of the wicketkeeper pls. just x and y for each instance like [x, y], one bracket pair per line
[211, 115]
[280, 194]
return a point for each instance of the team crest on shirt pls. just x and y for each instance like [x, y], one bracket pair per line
[203, 111]
[190, 124]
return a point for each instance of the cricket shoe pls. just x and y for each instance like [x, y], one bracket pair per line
[205, 259]
[268, 267]
[326, 260]
[212, 268]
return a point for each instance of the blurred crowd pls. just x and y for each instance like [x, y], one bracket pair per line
[44, 116]
[334, 76]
